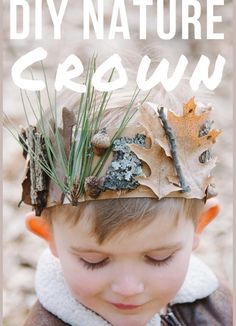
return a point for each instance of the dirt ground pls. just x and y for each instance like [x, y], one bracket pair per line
[22, 249]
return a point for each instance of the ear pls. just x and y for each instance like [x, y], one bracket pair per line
[40, 227]
[211, 211]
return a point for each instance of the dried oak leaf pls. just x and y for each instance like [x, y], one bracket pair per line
[190, 146]
[160, 166]
[147, 117]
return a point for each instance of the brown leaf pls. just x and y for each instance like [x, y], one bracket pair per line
[160, 166]
[190, 146]
[147, 117]
[163, 179]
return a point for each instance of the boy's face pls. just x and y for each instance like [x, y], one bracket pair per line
[131, 276]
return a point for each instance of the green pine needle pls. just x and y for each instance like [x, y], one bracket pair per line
[78, 165]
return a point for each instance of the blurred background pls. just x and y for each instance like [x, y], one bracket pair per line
[22, 249]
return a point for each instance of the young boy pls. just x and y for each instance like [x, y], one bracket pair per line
[121, 196]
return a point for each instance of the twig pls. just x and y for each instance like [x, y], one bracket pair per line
[38, 178]
[173, 150]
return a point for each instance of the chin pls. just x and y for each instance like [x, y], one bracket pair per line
[129, 320]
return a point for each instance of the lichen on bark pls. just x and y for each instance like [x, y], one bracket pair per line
[125, 165]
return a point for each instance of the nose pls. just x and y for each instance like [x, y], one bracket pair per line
[127, 286]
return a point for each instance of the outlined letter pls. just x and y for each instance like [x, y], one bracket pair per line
[211, 19]
[161, 20]
[14, 6]
[142, 16]
[186, 20]
[113, 62]
[119, 10]
[97, 20]
[24, 62]
[57, 18]
[160, 74]
[64, 76]
[201, 71]
[38, 19]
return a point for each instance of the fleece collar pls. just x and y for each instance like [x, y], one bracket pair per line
[55, 296]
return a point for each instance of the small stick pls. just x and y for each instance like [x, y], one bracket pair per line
[38, 178]
[173, 150]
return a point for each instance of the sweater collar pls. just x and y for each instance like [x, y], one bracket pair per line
[55, 296]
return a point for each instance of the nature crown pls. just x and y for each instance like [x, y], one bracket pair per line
[152, 152]
[157, 155]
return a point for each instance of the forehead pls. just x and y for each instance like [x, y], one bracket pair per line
[160, 231]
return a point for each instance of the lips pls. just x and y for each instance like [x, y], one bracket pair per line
[125, 306]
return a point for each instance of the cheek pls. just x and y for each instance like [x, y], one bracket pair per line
[170, 278]
[83, 283]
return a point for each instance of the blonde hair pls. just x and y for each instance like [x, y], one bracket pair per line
[111, 216]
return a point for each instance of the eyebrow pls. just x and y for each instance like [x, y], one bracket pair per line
[172, 246]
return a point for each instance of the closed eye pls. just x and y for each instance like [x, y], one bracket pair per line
[149, 260]
[159, 262]
[96, 265]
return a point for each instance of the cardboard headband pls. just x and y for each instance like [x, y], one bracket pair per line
[153, 153]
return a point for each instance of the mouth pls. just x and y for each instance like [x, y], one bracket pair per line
[125, 306]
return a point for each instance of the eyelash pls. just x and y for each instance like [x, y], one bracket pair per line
[93, 266]
[149, 260]
[160, 263]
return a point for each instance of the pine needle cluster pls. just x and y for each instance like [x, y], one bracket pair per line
[69, 148]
